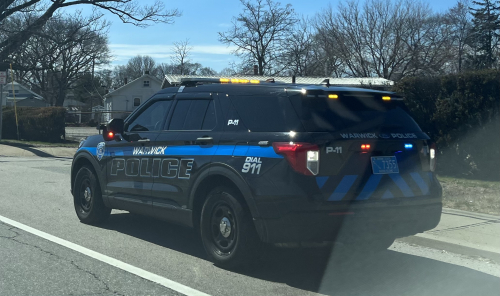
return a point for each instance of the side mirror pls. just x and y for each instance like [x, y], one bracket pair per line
[114, 127]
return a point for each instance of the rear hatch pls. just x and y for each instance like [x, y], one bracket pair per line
[369, 146]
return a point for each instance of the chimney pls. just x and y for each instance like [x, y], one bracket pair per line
[255, 70]
[125, 80]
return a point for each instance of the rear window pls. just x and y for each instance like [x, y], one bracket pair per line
[267, 113]
[353, 112]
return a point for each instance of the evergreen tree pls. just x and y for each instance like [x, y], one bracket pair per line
[485, 34]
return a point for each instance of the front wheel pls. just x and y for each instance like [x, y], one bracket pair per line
[227, 230]
[87, 198]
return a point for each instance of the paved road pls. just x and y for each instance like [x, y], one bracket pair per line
[35, 191]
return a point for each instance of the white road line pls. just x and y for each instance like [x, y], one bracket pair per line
[106, 259]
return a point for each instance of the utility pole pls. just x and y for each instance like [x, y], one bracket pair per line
[3, 80]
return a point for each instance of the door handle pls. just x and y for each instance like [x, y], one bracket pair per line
[204, 140]
[143, 140]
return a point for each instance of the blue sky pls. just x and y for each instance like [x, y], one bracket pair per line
[200, 22]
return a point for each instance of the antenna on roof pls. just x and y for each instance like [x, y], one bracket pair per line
[326, 82]
[270, 80]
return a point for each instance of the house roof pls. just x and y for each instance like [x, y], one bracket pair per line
[35, 95]
[132, 82]
[375, 81]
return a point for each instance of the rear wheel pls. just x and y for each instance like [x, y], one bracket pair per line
[87, 198]
[227, 230]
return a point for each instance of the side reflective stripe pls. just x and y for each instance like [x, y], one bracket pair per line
[344, 187]
[370, 187]
[387, 194]
[420, 182]
[400, 182]
[321, 181]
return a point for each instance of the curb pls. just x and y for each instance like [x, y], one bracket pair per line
[449, 247]
[475, 215]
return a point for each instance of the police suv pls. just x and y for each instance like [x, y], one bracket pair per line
[253, 162]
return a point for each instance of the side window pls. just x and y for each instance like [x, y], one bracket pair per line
[137, 102]
[150, 119]
[210, 119]
[193, 115]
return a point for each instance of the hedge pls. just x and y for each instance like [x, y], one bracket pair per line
[35, 124]
[461, 113]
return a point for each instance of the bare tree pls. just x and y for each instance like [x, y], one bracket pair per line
[258, 33]
[300, 48]
[180, 56]
[129, 11]
[461, 23]
[385, 38]
[65, 49]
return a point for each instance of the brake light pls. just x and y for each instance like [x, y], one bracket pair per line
[365, 146]
[432, 154]
[302, 157]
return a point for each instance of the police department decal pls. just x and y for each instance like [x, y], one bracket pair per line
[101, 148]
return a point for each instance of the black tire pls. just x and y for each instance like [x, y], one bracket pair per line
[87, 198]
[238, 243]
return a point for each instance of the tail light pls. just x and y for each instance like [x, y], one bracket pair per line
[302, 157]
[432, 156]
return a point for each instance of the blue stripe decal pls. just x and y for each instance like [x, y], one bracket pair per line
[262, 152]
[190, 150]
[344, 187]
[387, 195]
[321, 181]
[223, 150]
[240, 150]
[420, 182]
[400, 182]
[370, 187]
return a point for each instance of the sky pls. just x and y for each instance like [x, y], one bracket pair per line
[200, 23]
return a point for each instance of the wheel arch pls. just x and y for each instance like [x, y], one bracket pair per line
[215, 176]
[86, 159]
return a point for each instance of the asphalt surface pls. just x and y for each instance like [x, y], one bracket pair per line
[35, 191]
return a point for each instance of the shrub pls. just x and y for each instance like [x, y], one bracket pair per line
[35, 124]
[461, 113]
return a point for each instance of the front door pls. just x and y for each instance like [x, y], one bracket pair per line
[130, 165]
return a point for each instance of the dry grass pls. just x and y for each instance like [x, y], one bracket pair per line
[471, 195]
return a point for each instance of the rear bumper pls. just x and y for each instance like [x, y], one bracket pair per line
[350, 223]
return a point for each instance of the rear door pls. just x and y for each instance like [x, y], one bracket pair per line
[370, 147]
[191, 137]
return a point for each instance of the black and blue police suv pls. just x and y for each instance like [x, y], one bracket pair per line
[250, 163]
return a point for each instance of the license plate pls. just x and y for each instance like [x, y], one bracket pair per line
[385, 165]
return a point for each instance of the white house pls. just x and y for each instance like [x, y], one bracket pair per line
[22, 95]
[120, 102]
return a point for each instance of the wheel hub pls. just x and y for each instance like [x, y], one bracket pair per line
[225, 227]
[87, 194]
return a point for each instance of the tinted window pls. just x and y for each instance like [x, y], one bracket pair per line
[151, 119]
[357, 113]
[189, 115]
[266, 113]
[210, 120]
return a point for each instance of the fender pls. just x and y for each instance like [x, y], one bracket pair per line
[100, 170]
[230, 173]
